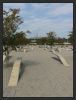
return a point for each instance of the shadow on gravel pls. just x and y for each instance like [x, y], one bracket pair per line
[25, 64]
[57, 59]
[9, 57]
[8, 64]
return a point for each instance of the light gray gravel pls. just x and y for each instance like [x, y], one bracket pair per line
[42, 75]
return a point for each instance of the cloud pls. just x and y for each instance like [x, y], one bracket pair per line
[41, 18]
[44, 25]
[64, 9]
[14, 5]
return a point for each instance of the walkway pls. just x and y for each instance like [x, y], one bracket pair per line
[42, 75]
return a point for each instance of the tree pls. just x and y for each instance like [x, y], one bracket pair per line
[60, 40]
[28, 31]
[11, 22]
[70, 39]
[20, 38]
[42, 40]
[51, 38]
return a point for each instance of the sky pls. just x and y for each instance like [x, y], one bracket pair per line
[41, 18]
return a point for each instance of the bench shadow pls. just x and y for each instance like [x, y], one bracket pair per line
[23, 66]
[8, 58]
[57, 59]
[8, 64]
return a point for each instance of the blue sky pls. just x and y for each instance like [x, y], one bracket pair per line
[41, 18]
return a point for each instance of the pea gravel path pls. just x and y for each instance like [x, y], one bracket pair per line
[42, 75]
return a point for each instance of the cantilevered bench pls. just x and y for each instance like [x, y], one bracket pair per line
[61, 58]
[15, 73]
[4, 57]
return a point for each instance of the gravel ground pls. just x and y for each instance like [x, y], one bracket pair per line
[41, 74]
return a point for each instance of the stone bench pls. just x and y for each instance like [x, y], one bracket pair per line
[15, 73]
[4, 57]
[61, 58]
